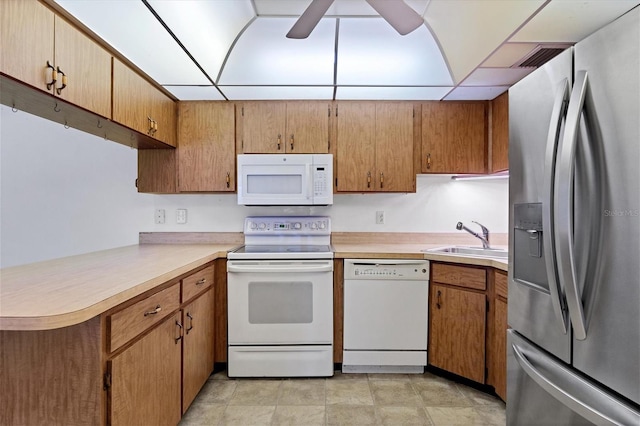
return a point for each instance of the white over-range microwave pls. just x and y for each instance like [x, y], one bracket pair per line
[285, 180]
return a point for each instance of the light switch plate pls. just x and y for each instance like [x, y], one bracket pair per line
[159, 216]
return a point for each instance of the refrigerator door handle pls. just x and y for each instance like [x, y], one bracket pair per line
[557, 115]
[563, 208]
[579, 395]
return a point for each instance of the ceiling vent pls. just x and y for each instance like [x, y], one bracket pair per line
[540, 55]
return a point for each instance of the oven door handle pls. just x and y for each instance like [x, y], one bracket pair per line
[280, 267]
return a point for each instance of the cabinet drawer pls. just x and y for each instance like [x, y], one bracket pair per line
[462, 276]
[502, 286]
[133, 320]
[196, 283]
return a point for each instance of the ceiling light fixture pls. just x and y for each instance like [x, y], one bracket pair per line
[396, 12]
[499, 175]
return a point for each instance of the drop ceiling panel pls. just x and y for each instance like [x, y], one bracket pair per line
[264, 56]
[195, 93]
[391, 93]
[571, 20]
[470, 30]
[496, 76]
[276, 92]
[133, 31]
[475, 93]
[206, 28]
[508, 54]
[371, 52]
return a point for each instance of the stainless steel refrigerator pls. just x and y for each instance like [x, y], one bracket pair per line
[574, 263]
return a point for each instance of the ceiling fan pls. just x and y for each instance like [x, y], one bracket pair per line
[396, 12]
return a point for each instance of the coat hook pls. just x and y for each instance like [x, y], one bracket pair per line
[13, 108]
[99, 125]
[56, 109]
[66, 126]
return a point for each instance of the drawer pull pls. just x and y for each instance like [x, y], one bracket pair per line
[190, 322]
[155, 311]
[201, 281]
[439, 301]
[179, 331]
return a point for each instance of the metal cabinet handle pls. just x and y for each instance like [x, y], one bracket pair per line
[368, 179]
[177, 339]
[428, 161]
[190, 322]
[291, 141]
[54, 76]
[439, 300]
[64, 81]
[154, 312]
[228, 180]
[381, 180]
[279, 141]
[201, 281]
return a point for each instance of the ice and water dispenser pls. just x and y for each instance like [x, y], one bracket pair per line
[528, 247]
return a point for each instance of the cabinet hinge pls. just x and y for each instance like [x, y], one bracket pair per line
[336, 182]
[487, 303]
[329, 111]
[136, 183]
[486, 374]
[328, 145]
[242, 111]
[107, 381]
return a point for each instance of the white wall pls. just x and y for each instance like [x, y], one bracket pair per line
[438, 204]
[64, 192]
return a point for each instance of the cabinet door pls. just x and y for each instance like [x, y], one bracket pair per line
[87, 68]
[355, 157]
[457, 331]
[454, 137]
[164, 112]
[500, 348]
[26, 41]
[263, 127]
[157, 171]
[145, 379]
[500, 133]
[394, 148]
[198, 346]
[206, 152]
[307, 128]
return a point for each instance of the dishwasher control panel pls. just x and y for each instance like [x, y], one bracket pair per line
[386, 269]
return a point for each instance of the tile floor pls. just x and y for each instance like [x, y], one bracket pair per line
[345, 399]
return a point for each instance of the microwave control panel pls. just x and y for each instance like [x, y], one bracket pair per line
[321, 184]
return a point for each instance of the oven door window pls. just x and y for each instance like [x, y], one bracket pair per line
[276, 302]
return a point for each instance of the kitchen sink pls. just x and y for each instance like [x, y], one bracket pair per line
[471, 251]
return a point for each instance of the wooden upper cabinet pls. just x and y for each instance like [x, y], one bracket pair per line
[33, 36]
[277, 127]
[454, 137]
[206, 152]
[500, 133]
[138, 105]
[375, 147]
[355, 155]
[394, 148]
[26, 41]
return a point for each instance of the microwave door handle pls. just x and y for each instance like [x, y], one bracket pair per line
[310, 176]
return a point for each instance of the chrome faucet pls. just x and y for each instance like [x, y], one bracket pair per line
[485, 233]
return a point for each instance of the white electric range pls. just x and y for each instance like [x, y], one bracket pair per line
[280, 299]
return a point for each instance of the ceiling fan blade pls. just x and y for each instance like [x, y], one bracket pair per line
[398, 14]
[309, 19]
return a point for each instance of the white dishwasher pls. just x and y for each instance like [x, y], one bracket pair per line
[385, 315]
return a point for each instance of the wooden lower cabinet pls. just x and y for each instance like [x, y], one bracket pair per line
[499, 364]
[457, 331]
[145, 379]
[197, 362]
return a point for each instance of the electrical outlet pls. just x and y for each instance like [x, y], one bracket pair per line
[159, 216]
[181, 216]
[380, 217]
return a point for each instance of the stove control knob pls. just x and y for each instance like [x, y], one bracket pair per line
[252, 225]
[314, 225]
[322, 225]
[262, 225]
[297, 225]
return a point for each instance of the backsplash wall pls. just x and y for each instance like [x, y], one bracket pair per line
[438, 204]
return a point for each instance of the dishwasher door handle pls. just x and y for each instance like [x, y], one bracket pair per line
[391, 262]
